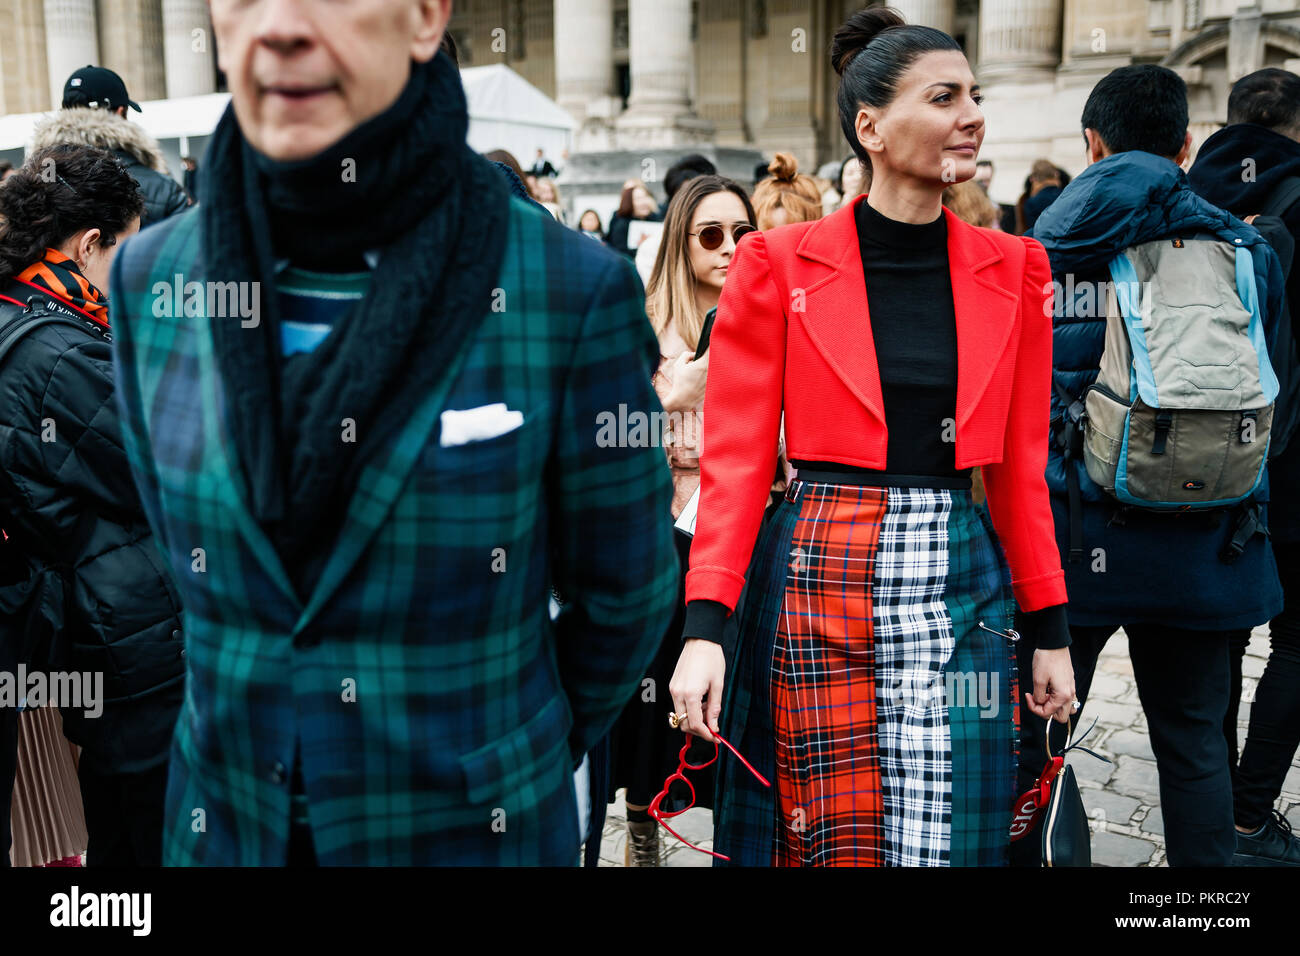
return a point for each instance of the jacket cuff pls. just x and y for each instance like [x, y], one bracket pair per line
[1046, 629]
[714, 583]
[1036, 593]
[705, 620]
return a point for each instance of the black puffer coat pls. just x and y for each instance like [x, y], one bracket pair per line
[72, 513]
[163, 196]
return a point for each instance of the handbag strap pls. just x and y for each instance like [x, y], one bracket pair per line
[1076, 745]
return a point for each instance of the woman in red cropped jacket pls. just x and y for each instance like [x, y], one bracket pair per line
[874, 675]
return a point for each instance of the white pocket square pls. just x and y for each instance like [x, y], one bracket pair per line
[462, 426]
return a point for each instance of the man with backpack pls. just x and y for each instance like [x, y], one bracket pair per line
[1163, 404]
[1252, 168]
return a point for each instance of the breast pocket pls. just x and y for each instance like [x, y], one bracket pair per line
[488, 463]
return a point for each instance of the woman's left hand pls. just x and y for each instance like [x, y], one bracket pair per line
[1053, 694]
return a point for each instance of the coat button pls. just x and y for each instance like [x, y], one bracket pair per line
[177, 635]
[182, 652]
[278, 773]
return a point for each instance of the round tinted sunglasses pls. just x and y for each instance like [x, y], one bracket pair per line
[711, 237]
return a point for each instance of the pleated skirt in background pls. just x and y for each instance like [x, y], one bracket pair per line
[48, 821]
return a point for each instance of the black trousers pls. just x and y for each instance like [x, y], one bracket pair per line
[1274, 733]
[124, 815]
[1183, 681]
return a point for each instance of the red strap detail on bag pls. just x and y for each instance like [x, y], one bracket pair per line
[1031, 803]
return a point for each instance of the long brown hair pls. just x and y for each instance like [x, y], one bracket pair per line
[626, 209]
[670, 293]
[971, 204]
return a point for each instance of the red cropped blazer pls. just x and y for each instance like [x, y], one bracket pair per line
[793, 335]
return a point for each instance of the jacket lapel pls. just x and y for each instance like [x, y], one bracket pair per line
[230, 477]
[986, 312]
[834, 307]
[380, 484]
[838, 321]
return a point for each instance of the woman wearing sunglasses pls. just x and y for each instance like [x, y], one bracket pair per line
[704, 220]
[873, 679]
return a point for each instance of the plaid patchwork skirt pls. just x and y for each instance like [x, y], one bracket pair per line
[873, 684]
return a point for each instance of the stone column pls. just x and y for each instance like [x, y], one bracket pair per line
[939, 14]
[584, 68]
[721, 95]
[1019, 55]
[24, 77]
[1245, 42]
[131, 44]
[71, 41]
[1020, 39]
[792, 59]
[661, 60]
[188, 48]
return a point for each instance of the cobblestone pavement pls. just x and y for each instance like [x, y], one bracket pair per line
[1122, 797]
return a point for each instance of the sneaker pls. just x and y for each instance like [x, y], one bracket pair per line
[1274, 845]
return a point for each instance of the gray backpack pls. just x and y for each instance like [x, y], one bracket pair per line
[1180, 415]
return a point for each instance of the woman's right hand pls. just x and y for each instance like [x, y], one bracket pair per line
[697, 679]
[688, 376]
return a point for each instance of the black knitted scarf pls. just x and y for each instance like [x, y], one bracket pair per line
[404, 183]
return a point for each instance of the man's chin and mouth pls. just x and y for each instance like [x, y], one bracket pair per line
[286, 105]
[291, 142]
[297, 125]
[297, 94]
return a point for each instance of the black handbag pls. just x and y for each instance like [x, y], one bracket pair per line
[1055, 806]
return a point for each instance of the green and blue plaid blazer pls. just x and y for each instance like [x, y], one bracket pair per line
[439, 711]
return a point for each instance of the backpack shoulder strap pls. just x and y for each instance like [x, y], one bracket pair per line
[26, 322]
[1286, 195]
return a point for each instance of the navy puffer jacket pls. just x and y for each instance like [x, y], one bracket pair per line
[1141, 566]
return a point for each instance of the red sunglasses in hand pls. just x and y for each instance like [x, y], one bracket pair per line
[660, 816]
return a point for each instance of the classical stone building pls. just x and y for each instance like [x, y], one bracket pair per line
[647, 74]
[744, 76]
[161, 48]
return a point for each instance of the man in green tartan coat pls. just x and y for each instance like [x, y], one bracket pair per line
[362, 390]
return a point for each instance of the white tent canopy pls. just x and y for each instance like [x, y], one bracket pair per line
[161, 119]
[505, 110]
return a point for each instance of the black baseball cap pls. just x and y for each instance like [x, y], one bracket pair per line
[98, 87]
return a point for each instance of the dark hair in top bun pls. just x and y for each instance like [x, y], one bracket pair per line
[888, 45]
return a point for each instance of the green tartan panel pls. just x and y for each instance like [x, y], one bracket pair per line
[983, 734]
